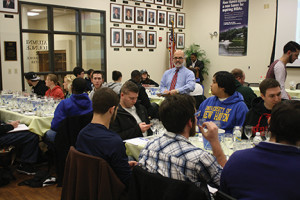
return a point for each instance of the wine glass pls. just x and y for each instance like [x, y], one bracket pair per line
[248, 131]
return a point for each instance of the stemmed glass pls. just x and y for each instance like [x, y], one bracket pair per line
[248, 131]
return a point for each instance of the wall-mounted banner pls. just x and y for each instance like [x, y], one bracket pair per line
[233, 27]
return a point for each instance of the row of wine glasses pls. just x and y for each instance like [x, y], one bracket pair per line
[248, 130]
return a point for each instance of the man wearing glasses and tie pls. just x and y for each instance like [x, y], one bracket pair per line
[178, 79]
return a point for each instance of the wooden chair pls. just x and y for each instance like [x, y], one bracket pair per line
[90, 177]
[298, 86]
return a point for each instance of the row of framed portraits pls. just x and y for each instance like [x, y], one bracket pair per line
[170, 3]
[152, 17]
[141, 38]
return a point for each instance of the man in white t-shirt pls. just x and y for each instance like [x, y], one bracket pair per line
[277, 69]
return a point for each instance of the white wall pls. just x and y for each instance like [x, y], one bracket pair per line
[202, 18]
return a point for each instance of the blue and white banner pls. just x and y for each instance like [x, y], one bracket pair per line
[233, 27]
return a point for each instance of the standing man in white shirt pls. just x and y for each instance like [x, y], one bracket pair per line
[277, 69]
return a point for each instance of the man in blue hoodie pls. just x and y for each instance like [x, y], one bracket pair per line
[78, 104]
[227, 105]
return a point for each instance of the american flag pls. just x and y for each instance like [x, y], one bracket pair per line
[172, 46]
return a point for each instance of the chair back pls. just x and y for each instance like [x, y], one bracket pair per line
[90, 177]
[148, 186]
[297, 86]
[65, 138]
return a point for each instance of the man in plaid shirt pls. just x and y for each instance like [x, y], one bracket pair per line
[172, 155]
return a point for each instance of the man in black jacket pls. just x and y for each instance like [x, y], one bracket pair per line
[197, 64]
[262, 106]
[38, 86]
[132, 118]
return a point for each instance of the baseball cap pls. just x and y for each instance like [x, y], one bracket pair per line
[143, 71]
[32, 76]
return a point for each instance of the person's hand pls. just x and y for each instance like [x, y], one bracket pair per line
[166, 92]
[212, 131]
[144, 127]
[15, 123]
[132, 164]
[172, 92]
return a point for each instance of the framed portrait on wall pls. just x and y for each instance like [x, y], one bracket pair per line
[140, 38]
[169, 3]
[116, 13]
[140, 15]
[180, 41]
[159, 2]
[116, 37]
[151, 39]
[9, 6]
[149, 1]
[128, 35]
[151, 17]
[180, 20]
[139, 0]
[128, 14]
[168, 39]
[171, 17]
[178, 3]
[161, 18]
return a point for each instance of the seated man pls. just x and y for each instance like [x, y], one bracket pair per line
[78, 104]
[28, 143]
[97, 80]
[132, 118]
[178, 79]
[172, 155]
[38, 86]
[262, 106]
[227, 106]
[146, 79]
[247, 92]
[270, 170]
[96, 139]
[152, 108]
[116, 84]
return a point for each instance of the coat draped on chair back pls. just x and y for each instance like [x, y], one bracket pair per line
[90, 177]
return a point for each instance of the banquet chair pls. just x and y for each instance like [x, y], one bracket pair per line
[297, 86]
[65, 138]
[90, 177]
[148, 186]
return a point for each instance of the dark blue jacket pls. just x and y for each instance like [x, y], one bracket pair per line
[77, 104]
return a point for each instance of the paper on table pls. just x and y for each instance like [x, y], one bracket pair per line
[137, 141]
[21, 127]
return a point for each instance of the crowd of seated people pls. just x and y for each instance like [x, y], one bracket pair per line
[123, 111]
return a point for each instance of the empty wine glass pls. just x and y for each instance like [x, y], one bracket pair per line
[248, 131]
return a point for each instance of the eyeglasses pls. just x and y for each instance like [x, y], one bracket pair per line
[175, 58]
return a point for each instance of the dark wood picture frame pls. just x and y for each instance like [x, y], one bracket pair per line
[114, 40]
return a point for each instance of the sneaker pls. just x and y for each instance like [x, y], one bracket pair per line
[26, 169]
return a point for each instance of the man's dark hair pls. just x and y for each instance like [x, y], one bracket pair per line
[89, 72]
[104, 99]
[291, 46]
[78, 86]
[77, 71]
[266, 84]
[175, 111]
[226, 80]
[116, 75]
[129, 86]
[97, 72]
[284, 123]
[135, 74]
[194, 54]
[237, 73]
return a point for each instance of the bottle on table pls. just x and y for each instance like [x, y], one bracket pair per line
[237, 134]
[257, 139]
